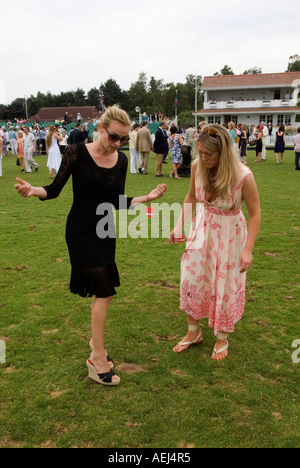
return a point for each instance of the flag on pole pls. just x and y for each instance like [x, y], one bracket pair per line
[176, 100]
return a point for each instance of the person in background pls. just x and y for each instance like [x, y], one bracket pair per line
[96, 134]
[189, 141]
[243, 141]
[297, 149]
[76, 135]
[63, 144]
[265, 139]
[280, 141]
[5, 142]
[143, 146]
[20, 149]
[161, 147]
[259, 145]
[135, 156]
[29, 150]
[13, 141]
[232, 132]
[54, 156]
[175, 142]
[42, 140]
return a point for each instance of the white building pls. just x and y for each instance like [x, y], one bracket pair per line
[251, 99]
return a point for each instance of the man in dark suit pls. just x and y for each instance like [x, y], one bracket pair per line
[76, 135]
[161, 147]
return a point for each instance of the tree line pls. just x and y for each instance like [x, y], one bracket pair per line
[151, 95]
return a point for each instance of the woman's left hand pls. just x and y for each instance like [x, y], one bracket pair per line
[245, 260]
[158, 192]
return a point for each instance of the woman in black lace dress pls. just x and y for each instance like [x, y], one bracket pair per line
[98, 174]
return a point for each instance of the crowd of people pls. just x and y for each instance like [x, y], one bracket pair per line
[28, 142]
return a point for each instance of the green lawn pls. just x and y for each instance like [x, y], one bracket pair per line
[165, 400]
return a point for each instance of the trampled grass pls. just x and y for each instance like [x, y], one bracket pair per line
[165, 400]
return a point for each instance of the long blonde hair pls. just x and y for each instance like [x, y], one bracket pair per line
[226, 175]
[49, 136]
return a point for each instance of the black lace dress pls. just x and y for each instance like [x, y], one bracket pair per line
[94, 271]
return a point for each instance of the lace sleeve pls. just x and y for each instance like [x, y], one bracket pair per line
[63, 175]
[119, 200]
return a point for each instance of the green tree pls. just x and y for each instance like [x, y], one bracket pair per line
[138, 95]
[168, 101]
[252, 71]
[16, 109]
[93, 97]
[294, 63]
[190, 90]
[112, 93]
[79, 97]
[155, 91]
[226, 70]
[66, 99]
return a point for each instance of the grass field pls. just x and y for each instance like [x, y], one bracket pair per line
[165, 400]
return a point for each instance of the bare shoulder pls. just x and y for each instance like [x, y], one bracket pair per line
[195, 163]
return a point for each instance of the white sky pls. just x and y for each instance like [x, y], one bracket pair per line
[63, 45]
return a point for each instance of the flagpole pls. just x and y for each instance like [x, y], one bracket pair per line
[26, 110]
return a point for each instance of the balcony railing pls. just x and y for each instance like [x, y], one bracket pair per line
[250, 104]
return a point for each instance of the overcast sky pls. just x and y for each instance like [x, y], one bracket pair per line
[68, 44]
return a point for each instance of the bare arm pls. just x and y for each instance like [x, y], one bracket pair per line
[251, 198]
[26, 190]
[51, 191]
[187, 207]
[158, 192]
[58, 136]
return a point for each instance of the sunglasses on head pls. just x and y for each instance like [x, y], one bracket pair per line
[113, 137]
[213, 132]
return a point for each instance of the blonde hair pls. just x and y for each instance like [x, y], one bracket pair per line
[226, 175]
[114, 113]
[231, 125]
[49, 136]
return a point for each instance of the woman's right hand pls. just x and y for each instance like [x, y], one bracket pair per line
[24, 188]
[175, 237]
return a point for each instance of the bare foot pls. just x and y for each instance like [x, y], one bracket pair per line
[220, 350]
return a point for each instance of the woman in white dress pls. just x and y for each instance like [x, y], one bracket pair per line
[54, 157]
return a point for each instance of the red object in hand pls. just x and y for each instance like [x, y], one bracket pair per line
[150, 212]
[180, 240]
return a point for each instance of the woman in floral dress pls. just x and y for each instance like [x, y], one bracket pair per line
[175, 142]
[219, 247]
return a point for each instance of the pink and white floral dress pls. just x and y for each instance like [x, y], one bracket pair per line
[211, 283]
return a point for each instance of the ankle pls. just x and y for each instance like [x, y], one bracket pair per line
[222, 336]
